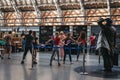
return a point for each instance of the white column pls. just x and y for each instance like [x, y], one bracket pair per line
[71, 29]
[59, 11]
[88, 36]
[108, 8]
[18, 14]
[82, 11]
[2, 18]
[54, 30]
[37, 11]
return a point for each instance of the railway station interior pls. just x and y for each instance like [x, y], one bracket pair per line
[44, 26]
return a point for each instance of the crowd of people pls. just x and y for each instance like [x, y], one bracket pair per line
[62, 43]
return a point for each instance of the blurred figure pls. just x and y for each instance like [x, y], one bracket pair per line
[106, 42]
[92, 40]
[23, 41]
[62, 36]
[56, 41]
[28, 46]
[81, 43]
[8, 47]
[35, 45]
[2, 43]
[67, 47]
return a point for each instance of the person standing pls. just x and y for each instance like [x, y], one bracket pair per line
[62, 36]
[28, 45]
[81, 43]
[92, 40]
[8, 47]
[67, 47]
[2, 43]
[23, 41]
[106, 42]
[56, 42]
[35, 45]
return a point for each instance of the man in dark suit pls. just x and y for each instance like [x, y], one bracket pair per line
[106, 42]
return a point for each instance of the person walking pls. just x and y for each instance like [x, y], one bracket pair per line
[28, 46]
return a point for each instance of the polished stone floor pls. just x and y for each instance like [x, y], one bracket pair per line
[13, 70]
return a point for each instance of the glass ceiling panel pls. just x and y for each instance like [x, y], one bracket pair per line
[44, 1]
[4, 2]
[50, 1]
[115, 0]
[19, 2]
[8, 2]
[0, 3]
[28, 2]
[95, 0]
[37, 1]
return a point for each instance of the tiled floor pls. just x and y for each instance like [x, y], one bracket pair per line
[13, 70]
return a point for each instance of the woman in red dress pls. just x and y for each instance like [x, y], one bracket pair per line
[81, 43]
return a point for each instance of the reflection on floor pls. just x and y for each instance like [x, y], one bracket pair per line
[13, 70]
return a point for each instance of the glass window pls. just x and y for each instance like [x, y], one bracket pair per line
[49, 1]
[0, 4]
[4, 2]
[44, 1]
[24, 2]
[28, 2]
[8, 2]
[19, 2]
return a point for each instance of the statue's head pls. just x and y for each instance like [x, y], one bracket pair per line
[100, 21]
[105, 22]
[108, 22]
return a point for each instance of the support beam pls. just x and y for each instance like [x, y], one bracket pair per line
[37, 11]
[82, 11]
[108, 8]
[1, 17]
[59, 11]
[1, 14]
[16, 10]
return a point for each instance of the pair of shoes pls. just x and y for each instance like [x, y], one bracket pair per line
[59, 64]
[9, 57]
[1, 57]
[22, 62]
[108, 70]
[34, 62]
[50, 64]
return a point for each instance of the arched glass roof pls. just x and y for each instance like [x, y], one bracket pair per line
[57, 12]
